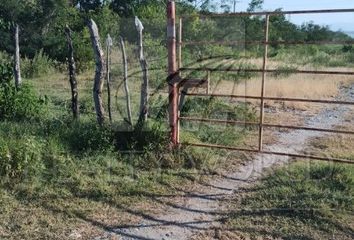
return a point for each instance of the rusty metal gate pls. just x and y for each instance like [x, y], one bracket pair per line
[176, 82]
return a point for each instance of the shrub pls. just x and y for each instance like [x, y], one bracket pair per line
[5, 58]
[347, 48]
[20, 104]
[20, 157]
[5, 73]
[321, 59]
[284, 71]
[17, 104]
[214, 108]
[40, 65]
[87, 136]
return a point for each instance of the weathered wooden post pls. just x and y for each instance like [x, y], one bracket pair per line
[172, 72]
[144, 97]
[17, 67]
[109, 44]
[100, 71]
[72, 74]
[126, 87]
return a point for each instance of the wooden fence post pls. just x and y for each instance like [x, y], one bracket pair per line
[109, 44]
[144, 97]
[100, 71]
[172, 72]
[72, 74]
[126, 87]
[17, 67]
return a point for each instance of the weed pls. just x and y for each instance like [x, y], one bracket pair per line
[40, 65]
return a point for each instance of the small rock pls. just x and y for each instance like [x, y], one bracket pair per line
[75, 235]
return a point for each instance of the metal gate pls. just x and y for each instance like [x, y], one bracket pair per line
[176, 82]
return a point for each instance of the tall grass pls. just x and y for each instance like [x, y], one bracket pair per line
[40, 65]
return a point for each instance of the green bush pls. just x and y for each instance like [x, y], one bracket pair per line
[321, 58]
[5, 58]
[20, 104]
[6, 73]
[350, 56]
[21, 157]
[40, 65]
[86, 136]
[284, 71]
[213, 108]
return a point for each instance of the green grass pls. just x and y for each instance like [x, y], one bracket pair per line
[91, 195]
[316, 56]
[302, 201]
[59, 176]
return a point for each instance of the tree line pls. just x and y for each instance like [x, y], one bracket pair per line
[42, 24]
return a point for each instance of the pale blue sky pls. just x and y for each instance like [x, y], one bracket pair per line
[344, 21]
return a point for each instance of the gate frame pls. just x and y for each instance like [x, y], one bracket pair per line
[175, 82]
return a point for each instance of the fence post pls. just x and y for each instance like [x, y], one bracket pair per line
[109, 44]
[72, 74]
[100, 71]
[17, 68]
[172, 72]
[264, 74]
[144, 95]
[125, 79]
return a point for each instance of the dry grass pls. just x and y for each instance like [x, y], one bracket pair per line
[310, 86]
[293, 86]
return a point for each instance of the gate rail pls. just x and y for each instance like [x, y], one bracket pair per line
[175, 69]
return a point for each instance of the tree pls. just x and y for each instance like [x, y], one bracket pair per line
[255, 5]
[124, 8]
[89, 5]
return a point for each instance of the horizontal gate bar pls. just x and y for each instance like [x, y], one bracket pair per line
[327, 159]
[265, 125]
[272, 98]
[273, 13]
[206, 69]
[235, 43]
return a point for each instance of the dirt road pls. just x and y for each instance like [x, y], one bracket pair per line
[204, 208]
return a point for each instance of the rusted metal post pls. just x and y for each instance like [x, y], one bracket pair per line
[172, 72]
[264, 74]
[180, 32]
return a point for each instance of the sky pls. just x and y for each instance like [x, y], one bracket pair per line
[338, 21]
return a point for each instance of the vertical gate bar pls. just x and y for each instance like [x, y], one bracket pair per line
[264, 75]
[208, 81]
[180, 32]
[172, 72]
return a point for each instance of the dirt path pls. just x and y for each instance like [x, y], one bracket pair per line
[202, 209]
